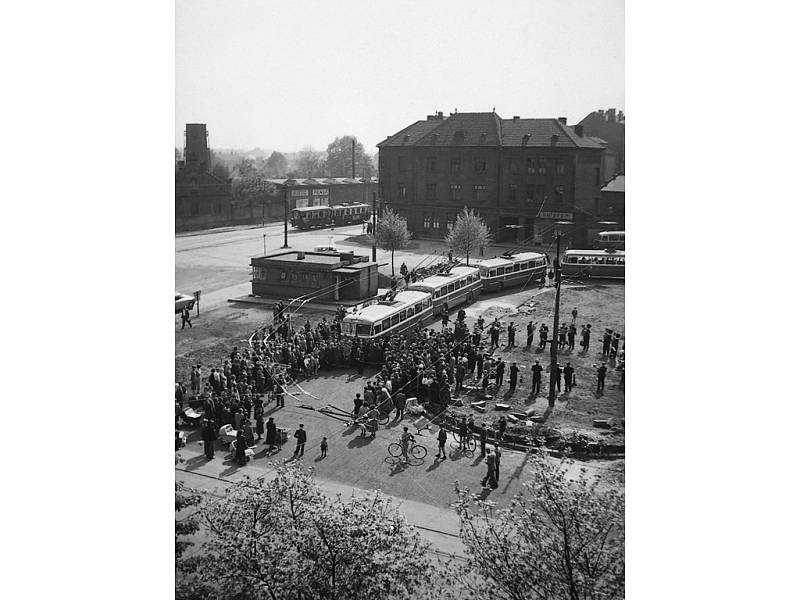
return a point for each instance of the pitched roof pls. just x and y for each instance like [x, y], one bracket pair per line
[615, 185]
[488, 129]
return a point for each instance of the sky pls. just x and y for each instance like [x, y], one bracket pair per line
[293, 74]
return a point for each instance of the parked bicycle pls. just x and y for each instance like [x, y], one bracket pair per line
[415, 450]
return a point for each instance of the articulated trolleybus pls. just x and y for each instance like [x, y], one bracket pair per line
[461, 284]
[512, 269]
[386, 317]
[604, 264]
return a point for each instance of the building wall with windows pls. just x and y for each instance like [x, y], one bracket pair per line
[521, 175]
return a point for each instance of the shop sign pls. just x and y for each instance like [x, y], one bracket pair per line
[320, 192]
[299, 193]
[562, 216]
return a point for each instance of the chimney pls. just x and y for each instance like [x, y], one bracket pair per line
[579, 130]
[516, 117]
[562, 120]
[621, 117]
[440, 115]
[554, 139]
[196, 153]
[611, 115]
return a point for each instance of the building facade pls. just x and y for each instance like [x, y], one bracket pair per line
[521, 175]
[201, 198]
[609, 126]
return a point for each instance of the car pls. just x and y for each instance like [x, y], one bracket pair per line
[181, 301]
[326, 249]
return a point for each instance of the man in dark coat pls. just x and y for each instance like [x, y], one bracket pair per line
[357, 402]
[569, 377]
[571, 336]
[514, 373]
[529, 341]
[601, 378]
[399, 405]
[536, 375]
[607, 342]
[501, 369]
[512, 330]
[300, 435]
[272, 434]
[209, 435]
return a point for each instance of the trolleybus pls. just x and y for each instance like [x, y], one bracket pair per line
[385, 317]
[512, 269]
[347, 214]
[610, 240]
[311, 216]
[461, 284]
[593, 263]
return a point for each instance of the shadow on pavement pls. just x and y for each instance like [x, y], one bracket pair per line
[359, 441]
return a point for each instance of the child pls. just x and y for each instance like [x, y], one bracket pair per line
[324, 447]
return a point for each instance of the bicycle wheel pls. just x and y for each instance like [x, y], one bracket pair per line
[471, 444]
[419, 452]
[395, 450]
[383, 419]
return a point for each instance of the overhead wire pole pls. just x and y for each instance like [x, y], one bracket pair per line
[374, 225]
[285, 216]
[551, 398]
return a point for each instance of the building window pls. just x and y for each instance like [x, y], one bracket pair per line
[451, 220]
[512, 193]
[479, 192]
[455, 191]
[480, 166]
[455, 165]
[401, 190]
[530, 191]
[531, 166]
[430, 165]
[435, 222]
[430, 191]
[542, 168]
[560, 168]
[426, 223]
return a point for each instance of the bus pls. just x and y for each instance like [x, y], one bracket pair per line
[512, 269]
[348, 214]
[386, 317]
[311, 216]
[594, 263]
[460, 284]
[610, 240]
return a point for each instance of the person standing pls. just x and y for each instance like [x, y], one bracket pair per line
[479, 362]
[494, 333]
[258, 413]
[300, 435]
[614, 346]
[209, 437]
[607, 342]
[186, 318]
[501, 428]
[501, 369]
[497, 454]
[405, 441]
[489, 478]
[574, 314]
[529, 341]
[241, 446]
[543, 331]
[556, 372]
[323, 446]
[601, 378]
[562, 336]
[357, 402]
[536, 375]
[442, 439]
[585, 335]
[571, 336]
[512, 330]
[399, 405]
[272, 433]
[514, 372]
[569, 377]
[194, 380]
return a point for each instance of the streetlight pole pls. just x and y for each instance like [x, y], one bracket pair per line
[374, 225]
[285, 216]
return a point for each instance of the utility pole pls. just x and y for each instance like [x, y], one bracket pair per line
[265, 244]
[374, 225]
[353, 156]
[551, 398]
[285, 216]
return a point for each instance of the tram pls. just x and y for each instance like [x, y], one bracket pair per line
[459, 285]
[348, 214]
[610, 240]
[311, 216]
[586, 264]
[512, 269]
[385, 317]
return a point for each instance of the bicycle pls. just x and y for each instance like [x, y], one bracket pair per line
[416, 451]
[468, 447]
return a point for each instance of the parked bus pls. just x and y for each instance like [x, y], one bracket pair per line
[311, 216]
[461, 284]
[348, 214]
[593, 263]
[512, 269]
[610, 240]
[385, 317]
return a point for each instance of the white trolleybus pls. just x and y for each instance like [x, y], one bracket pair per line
[461, 284]
[512, 269]
[385, 317]
[604, 264]
[610, 240]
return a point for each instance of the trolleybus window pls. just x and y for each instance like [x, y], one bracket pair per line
[437, 294]
[517, 267]
[419, 308]
[395, 319]
[376, 329]
[386, 324]
[363, 329]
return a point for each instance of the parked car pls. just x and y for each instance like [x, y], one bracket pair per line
[181, 301]
[326, 249]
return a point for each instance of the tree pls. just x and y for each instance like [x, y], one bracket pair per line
[276, 165]
[561, 537]
[245, 168]
[285, 539]
[311, 163]
[339, 161]
[468, 233]
[391, 233]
